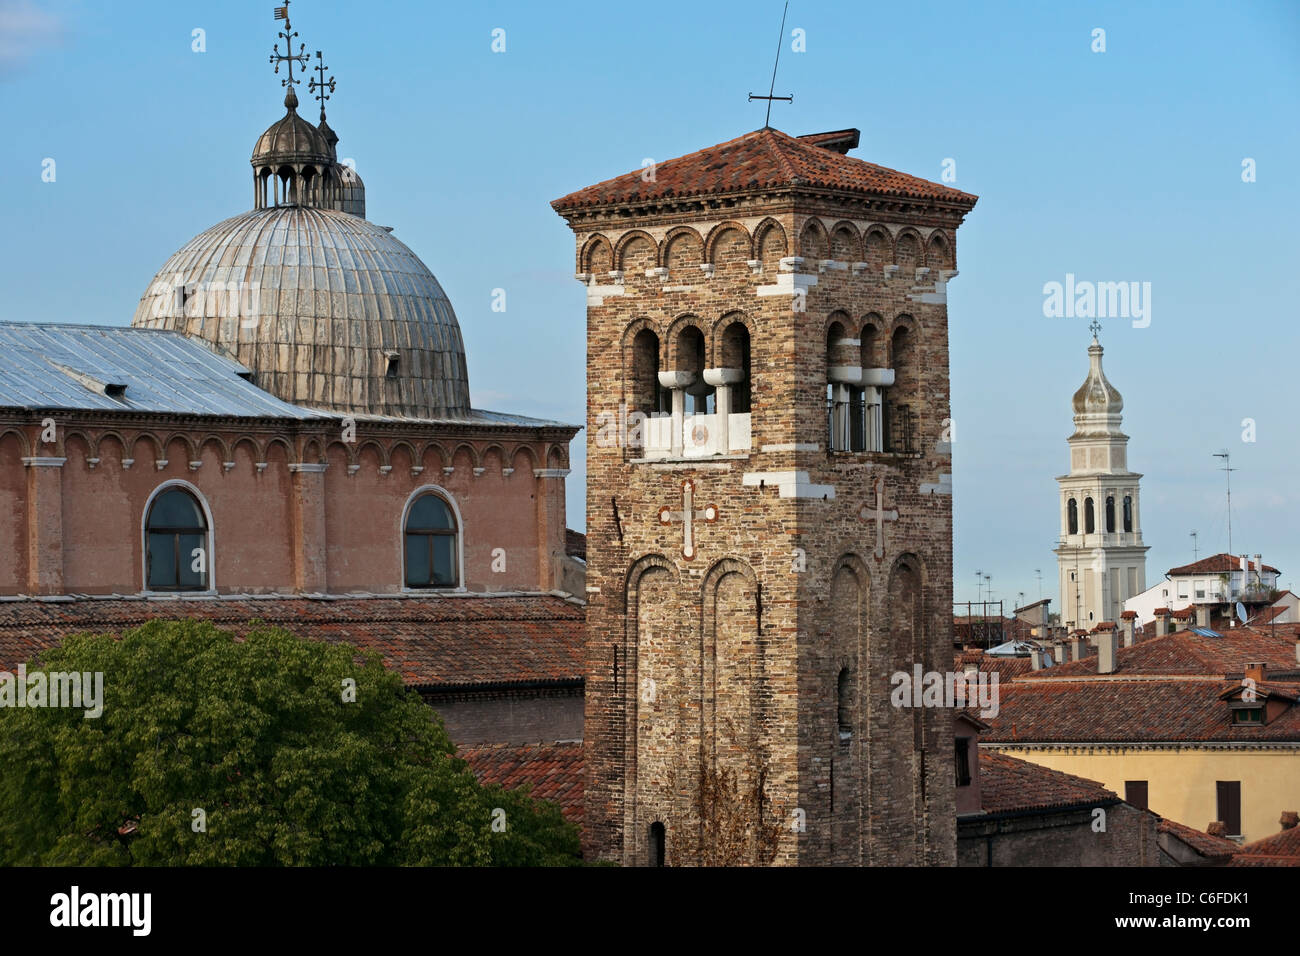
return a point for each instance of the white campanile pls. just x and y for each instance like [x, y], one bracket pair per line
[1101, 560]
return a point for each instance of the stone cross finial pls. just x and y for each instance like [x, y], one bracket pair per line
[322, 84]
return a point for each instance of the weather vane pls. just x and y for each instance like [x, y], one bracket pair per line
[780, 41]
[1094, 328]
[289, 57]
[323, 84]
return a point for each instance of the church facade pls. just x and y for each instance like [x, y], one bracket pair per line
[769, 506]
[1101, 560]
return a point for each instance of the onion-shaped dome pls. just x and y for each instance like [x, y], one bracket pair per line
[291, 139]
[1096, 396]
[327, 309]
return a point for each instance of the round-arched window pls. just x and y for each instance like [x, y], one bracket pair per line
[431, 546]
[176, 543]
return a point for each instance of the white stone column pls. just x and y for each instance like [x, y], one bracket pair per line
[677, 381]
[842, 378]
[724, 379]
[876, 380]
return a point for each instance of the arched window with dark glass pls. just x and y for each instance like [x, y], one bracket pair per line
[1110, 514]
[431, 546]
[1128, 513]
[1073, 510]
[1089, 517]
[176, 543]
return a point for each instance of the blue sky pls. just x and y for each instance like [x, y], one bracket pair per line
[1117, 166]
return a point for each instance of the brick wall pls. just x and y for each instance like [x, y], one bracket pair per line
[721, 668]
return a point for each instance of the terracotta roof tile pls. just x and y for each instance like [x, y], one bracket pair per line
[1212, 847]
[553, 770]
[1187, 653]
[1218, 564]
[1284, 844]
[1036, 710]
[764, 159]
[431, 642]
[1008, 784]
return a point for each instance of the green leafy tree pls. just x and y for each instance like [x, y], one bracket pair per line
[218, 751]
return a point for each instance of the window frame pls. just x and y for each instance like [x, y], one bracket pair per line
[209, 540]
[450, 501]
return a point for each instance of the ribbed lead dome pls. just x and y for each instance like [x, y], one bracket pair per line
[291, 139]
[327, 309]
[1096, 396]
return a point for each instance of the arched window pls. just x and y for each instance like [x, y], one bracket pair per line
[1089, 517]
[176, 543]
[1073, 516]
[844, 694]
[1128, 513]
[432, 547]
[657, 844]
[1110, 513]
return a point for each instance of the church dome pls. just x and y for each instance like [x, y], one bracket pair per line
[325, 308]
[291, 139]
[1096, 396]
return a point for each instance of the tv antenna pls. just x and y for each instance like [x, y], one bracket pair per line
[1194, 549]
[780, 42]
[1227, 467]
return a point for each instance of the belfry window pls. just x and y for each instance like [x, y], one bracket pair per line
[176, 543]
[1073, 515]
[1128, 513]
[1110, 514]
[432, 544]
[1089, 517]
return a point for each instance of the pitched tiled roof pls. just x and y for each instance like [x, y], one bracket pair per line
[553, 770]
[763, 159]
[1282, 846]
[1006, 667]
[1212, 847]
[1186, 652]
[1008, 784]
[1218, 564]
[432, 642]
[1142, 710]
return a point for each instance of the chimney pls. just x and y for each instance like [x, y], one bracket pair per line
[1128, 622]
[1202, 615]
[1297, 651]
[1107, 651]
[1259, 570]
[1078, 648]
[1036, 658]
[1059, 649]
[1162, 620]
[1218, 828]
[1289, 819]
[1255, 671]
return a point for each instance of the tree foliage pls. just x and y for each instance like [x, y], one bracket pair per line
[255, 734]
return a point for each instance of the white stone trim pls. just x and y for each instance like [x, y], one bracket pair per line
[310, 467]
[794, 446]
[552, 472]
[43, 461]
[942, 487]
[791, 484]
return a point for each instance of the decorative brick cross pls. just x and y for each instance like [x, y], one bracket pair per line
[687, 516]
[881, 515]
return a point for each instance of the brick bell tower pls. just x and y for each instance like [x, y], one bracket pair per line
[769, 510]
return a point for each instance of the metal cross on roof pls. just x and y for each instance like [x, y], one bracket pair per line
[1094, 328]
[323, 84]
[767, 120]
[288, 57]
